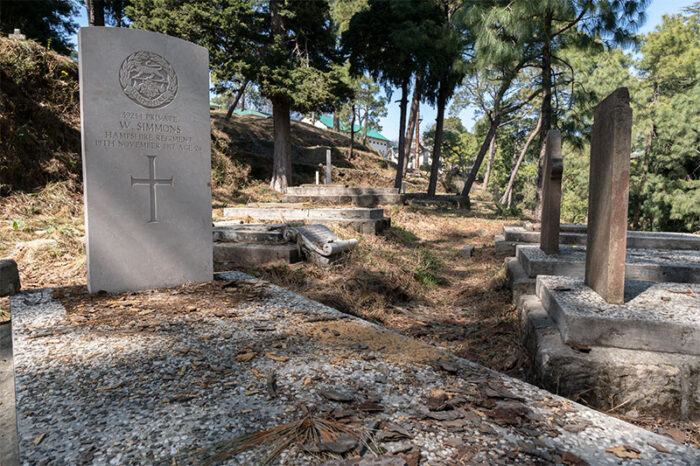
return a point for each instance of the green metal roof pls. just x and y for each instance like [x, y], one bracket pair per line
[251, 112]
[372, 133]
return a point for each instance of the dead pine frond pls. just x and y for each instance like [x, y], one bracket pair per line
[311, 433]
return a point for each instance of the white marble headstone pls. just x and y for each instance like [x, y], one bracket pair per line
[144, 105]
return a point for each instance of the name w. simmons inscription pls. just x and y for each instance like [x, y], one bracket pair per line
[148, 79]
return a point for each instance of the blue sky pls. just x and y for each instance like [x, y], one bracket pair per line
[390, 123]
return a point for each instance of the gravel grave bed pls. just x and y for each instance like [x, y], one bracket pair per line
[177, 376]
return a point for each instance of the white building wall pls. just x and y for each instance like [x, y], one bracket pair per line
[381, 145]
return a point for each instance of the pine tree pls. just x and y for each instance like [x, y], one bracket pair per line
[446, 68]
[390, 40]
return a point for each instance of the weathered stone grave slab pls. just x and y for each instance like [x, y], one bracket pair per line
[641, 264]
[230, 255]
[144, 100]
[362, 220]
[648, 382]
[155, 388]
[551, 193]
[655, 316]
[239, 244]
[608, 194]
[248, 232]
[339, 195]
[635, 239]
[514, 235]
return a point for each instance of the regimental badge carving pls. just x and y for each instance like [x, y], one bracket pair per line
[148, 79]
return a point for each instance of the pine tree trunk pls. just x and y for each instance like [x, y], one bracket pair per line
[118, 12]
[508, 194]
[546, 110]
[402, 135]
[336, 122]
[352, 132]
[95, 12]
[282, 156]
[480, 156]
[239, 94]
[437, 147]
[489, 163]
[412, 119]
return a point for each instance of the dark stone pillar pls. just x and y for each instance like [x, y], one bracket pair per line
[551, 193]
[608, 195]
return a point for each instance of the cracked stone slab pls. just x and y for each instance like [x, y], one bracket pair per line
[641, 264]
[655, 316]
[150, 390]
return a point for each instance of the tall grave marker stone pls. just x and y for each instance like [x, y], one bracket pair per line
[551, 193]
[144, 104]
[608, 195]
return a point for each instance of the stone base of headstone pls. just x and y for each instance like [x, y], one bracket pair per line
[641, 264]
[647, 378]
[663, 317]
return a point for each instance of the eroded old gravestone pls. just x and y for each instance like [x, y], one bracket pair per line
[608, 195]
[144, 100]
[551, 193]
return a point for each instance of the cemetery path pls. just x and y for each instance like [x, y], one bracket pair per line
[179, 375]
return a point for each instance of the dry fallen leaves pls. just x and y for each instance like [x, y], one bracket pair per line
[274, 357]
[625, 451]
[38, 440]
[245, 356]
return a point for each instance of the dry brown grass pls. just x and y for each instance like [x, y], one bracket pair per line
[44, 233]
[412, 280]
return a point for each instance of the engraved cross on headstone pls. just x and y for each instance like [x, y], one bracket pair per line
[152, 182]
